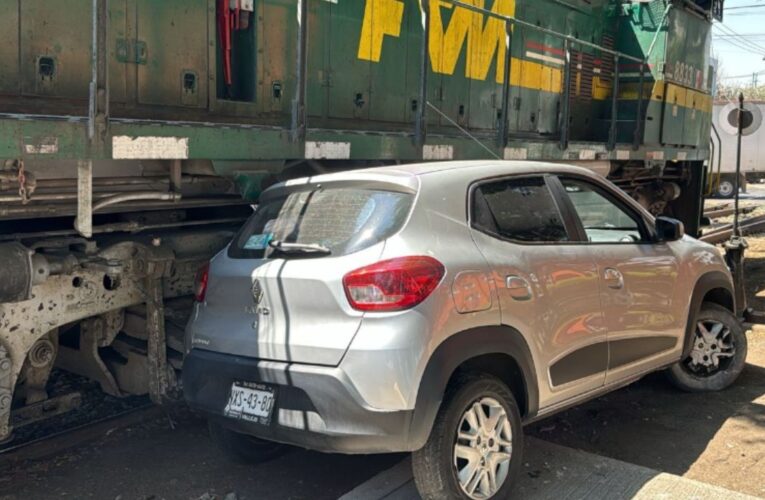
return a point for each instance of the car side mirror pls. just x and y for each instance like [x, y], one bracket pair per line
[669, 229]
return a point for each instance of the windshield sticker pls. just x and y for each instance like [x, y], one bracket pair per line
[258, 241]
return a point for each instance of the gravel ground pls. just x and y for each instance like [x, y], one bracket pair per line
[171, 457]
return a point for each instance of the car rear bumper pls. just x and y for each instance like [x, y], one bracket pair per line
[316, 407]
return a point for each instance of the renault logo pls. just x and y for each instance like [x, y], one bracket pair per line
[257, 298]
[257, 292]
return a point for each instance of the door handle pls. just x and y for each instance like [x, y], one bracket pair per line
[614, 278]
[518, 288]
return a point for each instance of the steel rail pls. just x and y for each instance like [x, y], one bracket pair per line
[726, 212]
[57, 434]
[721, 206]
[722, 234]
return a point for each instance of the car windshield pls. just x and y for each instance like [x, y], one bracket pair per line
[340, 220]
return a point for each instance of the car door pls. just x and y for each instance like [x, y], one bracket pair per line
[644, 318]
[547, 285]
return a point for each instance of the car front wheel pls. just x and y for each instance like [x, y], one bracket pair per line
[474, 450]
[718, 355]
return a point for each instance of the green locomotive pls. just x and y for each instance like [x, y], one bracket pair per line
[134, 134]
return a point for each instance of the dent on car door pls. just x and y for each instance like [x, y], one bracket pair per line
[547, 287]
[637, 281]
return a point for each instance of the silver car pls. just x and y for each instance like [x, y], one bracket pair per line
[437, 308]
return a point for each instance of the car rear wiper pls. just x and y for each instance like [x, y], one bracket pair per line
[299, 248]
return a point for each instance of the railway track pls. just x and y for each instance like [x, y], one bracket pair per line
[59, 440]
[726, 212]
[93, 409]
[748, 226]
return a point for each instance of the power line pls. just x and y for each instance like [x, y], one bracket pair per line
[752, 6]
[746, 35]
[742, 42]
[744, 10]
[726, 30]
[738, 77]
[734, 34]
[745, 13]
[747, 48]
[738, 43]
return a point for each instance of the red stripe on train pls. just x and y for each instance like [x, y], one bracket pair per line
[544, 48]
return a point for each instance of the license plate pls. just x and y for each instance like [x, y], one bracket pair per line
[251, 402]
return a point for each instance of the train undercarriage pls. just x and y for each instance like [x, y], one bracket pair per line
[111, 307]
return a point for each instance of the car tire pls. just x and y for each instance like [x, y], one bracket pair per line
[694, 374]
[241, 448]
[435, 466]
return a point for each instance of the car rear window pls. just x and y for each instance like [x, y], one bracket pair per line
[344, 220]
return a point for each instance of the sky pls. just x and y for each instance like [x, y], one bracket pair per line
[739, 43]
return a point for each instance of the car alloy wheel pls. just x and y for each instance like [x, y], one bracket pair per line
[713, 348]
[717, 355]
[483, 449]
[475, 447]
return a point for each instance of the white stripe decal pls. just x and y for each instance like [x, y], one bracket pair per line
[437, 152]
[516, 153]
[327, 150]
[655, 155]
[150, 148]
[542, 57]
[42, 146]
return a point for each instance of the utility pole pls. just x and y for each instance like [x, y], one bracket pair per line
[737, 245]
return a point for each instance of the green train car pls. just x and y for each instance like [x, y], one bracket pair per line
[134, 134]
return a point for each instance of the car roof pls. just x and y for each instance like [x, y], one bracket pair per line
[479, 167]
[406, 175]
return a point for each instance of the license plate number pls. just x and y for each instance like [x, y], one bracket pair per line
[250, 402]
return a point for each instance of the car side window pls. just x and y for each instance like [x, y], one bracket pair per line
[521, 210]
[603, 219]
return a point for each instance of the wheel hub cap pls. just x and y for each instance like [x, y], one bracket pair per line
[713, 343]
[483, 449]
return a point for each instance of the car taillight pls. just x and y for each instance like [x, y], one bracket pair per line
[393, 285]
[200, 283]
